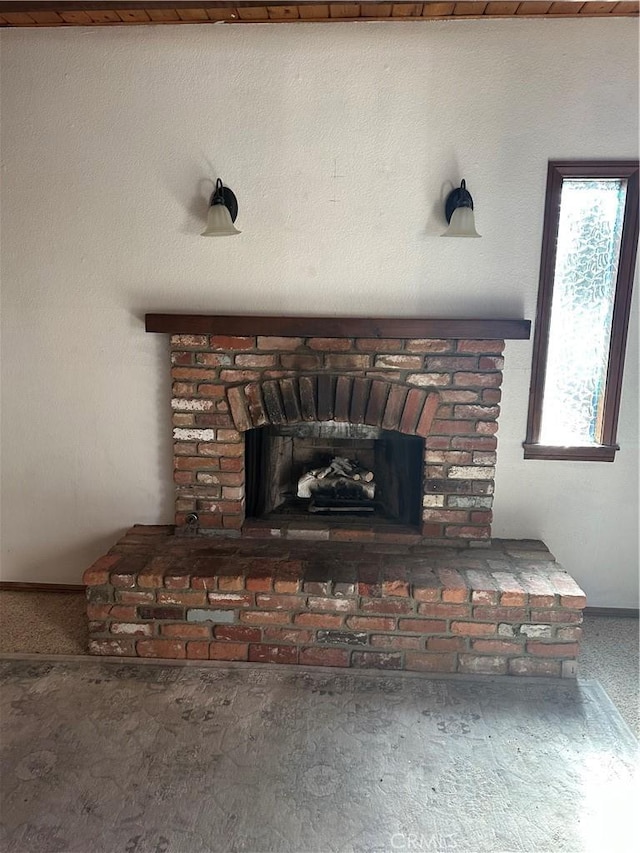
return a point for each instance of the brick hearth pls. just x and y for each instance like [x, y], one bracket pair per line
[506, 609]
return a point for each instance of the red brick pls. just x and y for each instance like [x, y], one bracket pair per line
[474, 443]
[231, 375]
[98, 611]
[123, 611]
[446, 644]
[191, 599]
[445, 610]
[491, 395]
[194, 463]
[216, 448]
[272, 342]
[232, 342]
[455, 595]
[423, 626]
[255, 360]
[347, 362]
[318, 620]
[265, 617]
[570, 616]
[500, 614]
[258, 583]
[513, 599]
[98, 573]
[161, 649]
[472, 629]
[127, 597]
[287, 635]
[228, 651]
[579, 602]
[111, 647]
[204, 582]
[122, 581]
[397, 588]
[377, 660]
[385, 606]
[301, 363]
[231, 464]
[491, 362]
[230, 583]
[426, 593]
[537, 667]
[183, 478]
[288, 587]
[213, 391]
[492, 647]
[186, 631]
[427, 415]
[394, 641]
[334, 605]
[484, 516]
[182, 358]
[195, 341]
[264, 653]
[482, 380]
[193, 374]
[379, 344]
[451, 363]
[213, 359]
[242, 633]
[428, 345]
[450, 427]
[412, 410]
[477, 412]
[198, 650]
[486, 427]
[132, 629]
[450, 516]
[371, 623]
[281, 602]
[330, 344]
[482, 664]
[553, 650]
[324, 657]
[480, 346]
[230, 599]
[430, 662]
[569, 633]
[455, 532]
[177, 581]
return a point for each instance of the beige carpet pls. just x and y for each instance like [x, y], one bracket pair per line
[609, 648]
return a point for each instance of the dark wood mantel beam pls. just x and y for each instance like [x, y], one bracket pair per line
[338, 327]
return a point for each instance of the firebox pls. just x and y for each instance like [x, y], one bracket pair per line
[333, 470]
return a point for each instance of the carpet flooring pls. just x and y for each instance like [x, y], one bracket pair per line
[609, 649]
[151, 758]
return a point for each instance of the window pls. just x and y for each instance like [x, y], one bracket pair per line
[589, 247]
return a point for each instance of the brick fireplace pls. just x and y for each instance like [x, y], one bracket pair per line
[249, 573]
[442, 390]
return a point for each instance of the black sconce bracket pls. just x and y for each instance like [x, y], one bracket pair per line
[223, 195]
[460, 197]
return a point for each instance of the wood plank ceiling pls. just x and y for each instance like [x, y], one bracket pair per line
[50, 13]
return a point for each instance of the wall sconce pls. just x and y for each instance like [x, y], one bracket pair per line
[458, 209]
[223, 209]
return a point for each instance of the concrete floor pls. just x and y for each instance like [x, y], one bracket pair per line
[609, 650]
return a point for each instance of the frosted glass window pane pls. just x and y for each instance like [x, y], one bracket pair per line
[588, 249]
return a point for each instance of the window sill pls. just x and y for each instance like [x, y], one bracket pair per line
[594, 453]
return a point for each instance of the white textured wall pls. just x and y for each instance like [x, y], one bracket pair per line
[338, 141]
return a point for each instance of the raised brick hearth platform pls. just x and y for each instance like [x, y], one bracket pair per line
[505, 609]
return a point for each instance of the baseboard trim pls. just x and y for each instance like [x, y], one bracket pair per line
[631, 612]
[20, 586]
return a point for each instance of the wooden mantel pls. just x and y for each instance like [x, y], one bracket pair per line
[337, 327]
